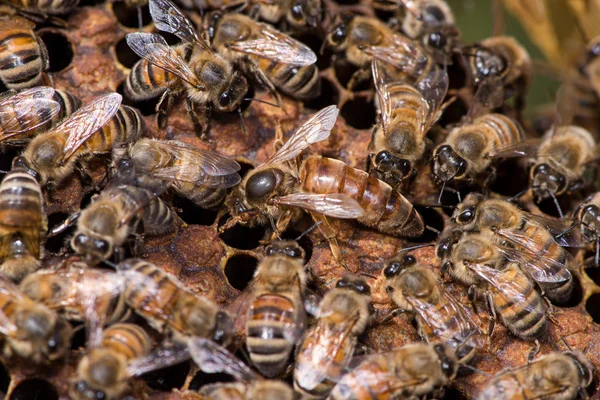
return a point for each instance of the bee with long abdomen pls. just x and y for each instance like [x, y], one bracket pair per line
[328, 347]
[414, 370]
[407, 114]
[193, 69]
[201, 176]
[275, 58]
[440, 317]
[554, 376]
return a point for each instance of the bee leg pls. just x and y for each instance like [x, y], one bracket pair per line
[330, 234]
[386, 318]
[162, 108]
[534, 352]
[489, 179]
[201, 127]
[492, 322]
[266, 82]
[357, 77]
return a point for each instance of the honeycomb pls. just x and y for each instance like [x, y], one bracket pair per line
[90, 57]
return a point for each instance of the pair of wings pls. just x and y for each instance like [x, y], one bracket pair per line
[433, 88]
[26, 111]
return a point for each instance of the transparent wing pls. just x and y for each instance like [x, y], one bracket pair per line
[316, 129]
[212, 358]
[541, 269]
[276, 46]
[557, 227]
[27, 110]
[524, 148]
[331, 205]
[433, 87]
[162, 357]
[400, 53]
[86, 121]
[489, 95]
[383, 94]
[168, 18]
[155, 50]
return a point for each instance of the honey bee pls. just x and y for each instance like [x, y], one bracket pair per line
[299, 14]
[548, 263]
[554, 376]
[414, 370]
[407, 114]
[564, 163]
[276, 191]
[273, 307]
[193, 69]
[277, 60]
[119, 212]
[122, 351]
[212, 358]
[587, 216]
[475, 261]
[39, 8]
[31, 330]
[201, 176]
[166, 304]
[362, 39]
[52, 156]
[23, 55]
[328, 347]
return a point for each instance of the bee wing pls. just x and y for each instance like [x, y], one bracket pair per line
[212, 358]
[336, 205]
[168, 18]
[86, 121]
[27, 110]
[276, 46]
[557, 227]
[155, 50]
[401, 53]
[489, 95]
[433, 88]
[383, 93]
[316, 129]
[524, 148]
[163, 357]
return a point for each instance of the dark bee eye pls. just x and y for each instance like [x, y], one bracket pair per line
[466, 215]
[409, 260]
[341, 283]
[261, 184]
[270, 251]
[382, 156]
[293, 252]
[339, 34]
[80, 240]
[224, 99]
[362, 288]
[297, 11]
[437, 40]
[392, 269]
[102, 245]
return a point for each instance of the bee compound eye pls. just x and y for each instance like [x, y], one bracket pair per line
[392, 269]
[261, 184]
[297, 11]
[224, 99]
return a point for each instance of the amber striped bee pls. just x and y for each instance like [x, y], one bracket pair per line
[362, 39]
[23, 224]
[23, 55]
[212, 358]
[277, 60]
[547, 262]
[30, 329]
[278, 190]
[554, 376]
[440, 317]
[165, 303]
[119, 212]
[53, 155]
[407, 114]
[201, 176]
[37, 8]
[273, 307]
[207, 79]
[414, 370]
[328, 347]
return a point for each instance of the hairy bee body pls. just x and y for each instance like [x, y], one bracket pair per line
[44, 7]
[23, 224]
[260, 389]
[385, 209]
[104, 370]
[23, 56]
[162, 300]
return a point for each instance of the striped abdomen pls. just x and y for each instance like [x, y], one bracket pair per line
[45, 6]
[68, 105]
[129, 340]
[385, 209]
[371, 380]
[302, 83]
[525, 317]
[501, 130]
[224, 391]
[269, 319]
[23, 57]
[147, 81]
[156, 215]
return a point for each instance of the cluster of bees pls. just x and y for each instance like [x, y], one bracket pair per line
[512, 263]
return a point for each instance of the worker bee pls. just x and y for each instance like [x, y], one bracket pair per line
[41, 9]
[201, 176]
[547, 262]
[273, 307]
[298, 14]
[414, 370]
[31, 330]
[53, 155]
[363, 39]
[23, 224]
[476, 261]
[192, 68]
[119, 212]
[166, 304]
[554, 376]
[407, 114]
[276, 191]
[212, 358]
[328, 347]
[277, 60]
[121, 351]
[503, 61]
[440, 317]
[587, 218]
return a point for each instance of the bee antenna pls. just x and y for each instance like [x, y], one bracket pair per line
[322, 48]
[110, 264]
[242, 120]
[308, 230]
[367, 275]
[432, 229]
[139, 18]
[261, 101]
[436, 206]
[476, 370]
[415, 247]
[274, 228]
[565, 342]
[441, 192]
[516, 196]
[560, 212]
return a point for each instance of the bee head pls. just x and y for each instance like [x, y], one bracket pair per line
[93, 248]
[305, 13]
[232, 97]
[354, 283]
[59, 340]
[589, 216]
[287, 248]
[546, 180]
[396, 266]
[447, 242]
[263, 184]
[488, 64]
[583, 365]
[466, 211]
[447, 164]
[337, 36]
[386, 162]
[448, 361]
